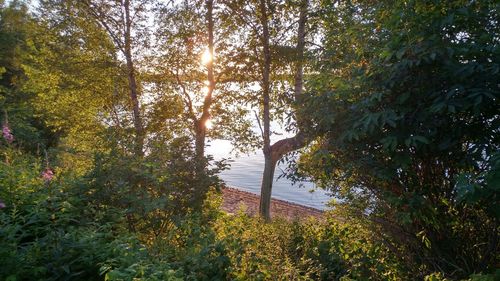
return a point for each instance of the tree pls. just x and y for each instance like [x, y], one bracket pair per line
[18, 110]
[125, 24]
[201, 124]
[205, 81]
[280, 65]
[273, 153]
[74, 80]
[407, 126]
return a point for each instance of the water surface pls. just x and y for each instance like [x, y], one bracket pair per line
[245, 173]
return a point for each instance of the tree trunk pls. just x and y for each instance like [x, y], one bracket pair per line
[266, 187]
[139, 129]
[273, 153]
[119, 31]
[267, 177]
[200, 125]
[199, 138]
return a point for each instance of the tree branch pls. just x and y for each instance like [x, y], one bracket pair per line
[99, 17]
[187, 98]
[258, 122]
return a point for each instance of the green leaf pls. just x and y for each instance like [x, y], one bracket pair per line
[421, 139]
[400, 53]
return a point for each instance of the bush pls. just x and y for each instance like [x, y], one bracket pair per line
[87, 228]
[152, 191]
[43, 234]
[309, 250]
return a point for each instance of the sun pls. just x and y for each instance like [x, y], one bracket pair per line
[208, 124]
[206, 57]
[205, 90]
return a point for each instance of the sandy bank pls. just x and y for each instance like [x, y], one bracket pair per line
[235, 199]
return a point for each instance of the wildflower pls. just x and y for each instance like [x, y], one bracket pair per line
[47, 175]
[7, 134]
[2, 205]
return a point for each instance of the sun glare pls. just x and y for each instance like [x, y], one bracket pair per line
[205, 90]
[208, 124]
[206, 57]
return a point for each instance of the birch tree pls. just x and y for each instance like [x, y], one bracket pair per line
[272, 71]
[124, 22]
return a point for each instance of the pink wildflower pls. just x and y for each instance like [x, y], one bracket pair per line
[47, 175]
[2, 205]
[7, 134]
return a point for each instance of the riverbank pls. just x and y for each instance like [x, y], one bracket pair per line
[235, 200]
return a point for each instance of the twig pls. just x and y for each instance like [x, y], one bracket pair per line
[258, 122]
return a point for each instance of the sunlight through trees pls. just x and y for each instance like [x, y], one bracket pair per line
[107, 108]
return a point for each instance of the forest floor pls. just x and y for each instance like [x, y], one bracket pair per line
[235, 200]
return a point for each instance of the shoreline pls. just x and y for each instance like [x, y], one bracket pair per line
[235, 199]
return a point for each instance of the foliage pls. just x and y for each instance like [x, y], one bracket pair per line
[16, 100]
[180, 71]
[307, 250]
[153, 191]
[130, 260]
[61, 230]
[43, 233]
[408, 129]
[401, 100]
